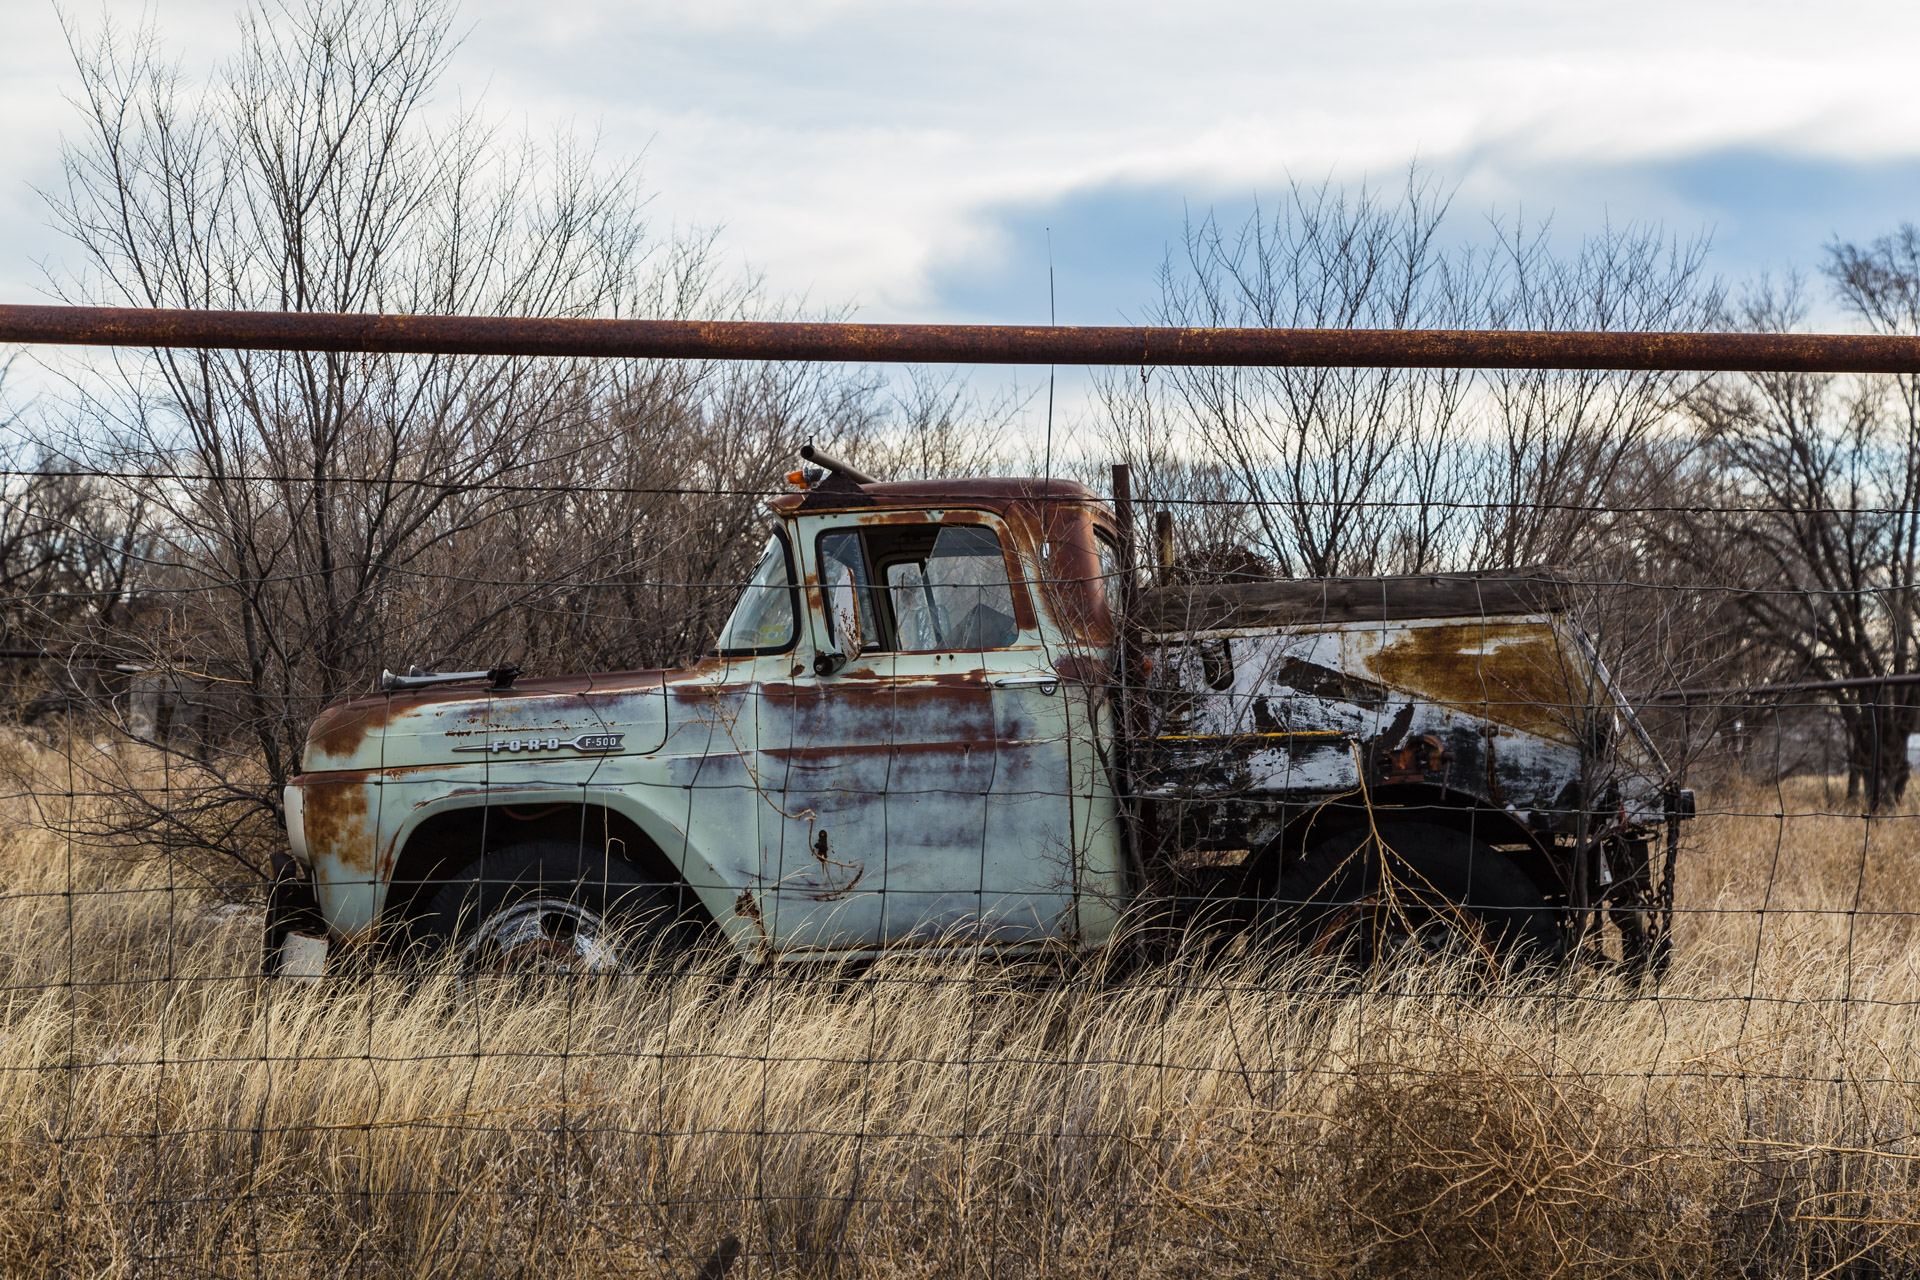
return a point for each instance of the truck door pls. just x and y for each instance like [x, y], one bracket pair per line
[935, 761]
[828, 742]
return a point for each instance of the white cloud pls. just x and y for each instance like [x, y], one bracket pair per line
[856, 149]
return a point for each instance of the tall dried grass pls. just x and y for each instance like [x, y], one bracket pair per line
[166, 1113]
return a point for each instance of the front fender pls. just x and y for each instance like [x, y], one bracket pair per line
[361, 813]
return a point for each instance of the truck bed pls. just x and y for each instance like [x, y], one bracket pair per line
[1477, 685]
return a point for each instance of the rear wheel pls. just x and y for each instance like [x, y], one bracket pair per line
[552, 908]
[1409, 889]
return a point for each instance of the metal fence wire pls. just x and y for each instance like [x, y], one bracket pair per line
[1010, 878]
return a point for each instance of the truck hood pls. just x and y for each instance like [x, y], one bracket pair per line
[618, 713]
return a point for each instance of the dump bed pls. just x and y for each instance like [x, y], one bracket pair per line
[1480, 685]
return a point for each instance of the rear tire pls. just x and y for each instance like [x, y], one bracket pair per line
[550, 908]
[1416, 890]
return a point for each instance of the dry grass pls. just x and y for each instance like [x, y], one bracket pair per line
[165, 1114]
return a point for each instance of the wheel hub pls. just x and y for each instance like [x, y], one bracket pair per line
[542, 936]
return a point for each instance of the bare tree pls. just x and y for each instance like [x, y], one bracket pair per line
[1350, 471]
[1325, 457]
[320, 515]
[1880, 284]
[1196, 501]
[1815, 486]
[70, 552]
[1568, 451]
[938, 424]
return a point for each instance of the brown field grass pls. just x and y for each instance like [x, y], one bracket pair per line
[165, 1113]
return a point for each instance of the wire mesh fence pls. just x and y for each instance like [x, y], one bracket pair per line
[1428, 820]
[1010, 880]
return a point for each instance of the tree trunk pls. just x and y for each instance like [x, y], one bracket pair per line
[1877, 749]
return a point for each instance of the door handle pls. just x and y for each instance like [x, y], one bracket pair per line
[1047, 684]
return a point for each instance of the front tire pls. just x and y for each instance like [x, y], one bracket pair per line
[550, 908]
[1406, 890]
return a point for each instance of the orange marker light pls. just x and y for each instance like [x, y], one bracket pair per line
[797, 478]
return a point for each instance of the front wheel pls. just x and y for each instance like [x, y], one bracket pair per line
[1408, 889]
[549, 908]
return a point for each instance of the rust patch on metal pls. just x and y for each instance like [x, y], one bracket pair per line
[342, 728]
[1512, 673]
[1418, 760]
[696, 691]
[335, 812]
[748, 906]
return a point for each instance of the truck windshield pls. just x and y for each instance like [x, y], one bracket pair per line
[763, 620]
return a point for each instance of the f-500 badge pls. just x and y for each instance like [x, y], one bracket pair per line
[590, 742]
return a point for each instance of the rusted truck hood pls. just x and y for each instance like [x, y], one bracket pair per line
[619, 713]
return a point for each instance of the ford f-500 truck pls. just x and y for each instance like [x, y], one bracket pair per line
[952, 715]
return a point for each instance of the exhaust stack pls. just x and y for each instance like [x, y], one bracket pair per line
[827, 462]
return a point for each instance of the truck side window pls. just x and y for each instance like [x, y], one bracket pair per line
[762, 622]
[912, 606]
[848, 593]
[958, 597]
[1109, 574]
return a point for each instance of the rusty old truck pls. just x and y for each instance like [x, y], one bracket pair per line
[953, 715]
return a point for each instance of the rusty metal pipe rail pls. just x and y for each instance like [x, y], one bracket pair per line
[958, 344]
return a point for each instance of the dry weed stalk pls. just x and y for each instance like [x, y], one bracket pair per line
[167, 1113]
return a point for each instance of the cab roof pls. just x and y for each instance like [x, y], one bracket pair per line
[1034, 491]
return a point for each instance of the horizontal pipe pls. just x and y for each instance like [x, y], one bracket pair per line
[959, 343]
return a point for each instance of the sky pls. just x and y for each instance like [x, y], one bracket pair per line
[922, 162]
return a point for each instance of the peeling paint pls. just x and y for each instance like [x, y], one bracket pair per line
[747, 905]
[1489, 708]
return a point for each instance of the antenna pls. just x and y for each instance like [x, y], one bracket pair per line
[1053, 319]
